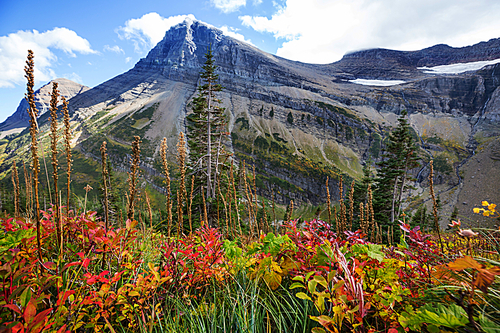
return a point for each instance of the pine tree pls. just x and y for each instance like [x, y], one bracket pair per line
[206, 136]
[399, 157]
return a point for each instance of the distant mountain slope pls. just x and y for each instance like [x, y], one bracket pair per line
[20, 118]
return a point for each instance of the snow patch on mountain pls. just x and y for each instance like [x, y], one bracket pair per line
[458, 68]
[378, 83]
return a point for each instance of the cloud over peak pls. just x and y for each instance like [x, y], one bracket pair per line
[14, 49]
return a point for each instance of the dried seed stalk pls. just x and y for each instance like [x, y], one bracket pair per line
[163, 154]
[15, 182]
[190, 206]
[67, 145]
[33, 114]
[133, 176]
[351, 205]
[328, 203]
[104, 166]
[434, 205]
[181, 160]
[53, 148]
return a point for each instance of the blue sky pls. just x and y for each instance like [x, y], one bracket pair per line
[92, 41]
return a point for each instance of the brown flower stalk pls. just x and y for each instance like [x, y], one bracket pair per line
[249, 205]
[328, 203]
[67, 146]
[181, 160]
[274, 215]
[434, 205]
[29, 191]
[362, 218]
[33, 114]
[191, 205]
[351, 206]
[53, 148]
[150, 212]
[231, 175]
[163, 154]
[104, 166]
[133, 176]
[15, 182]
[370, 217]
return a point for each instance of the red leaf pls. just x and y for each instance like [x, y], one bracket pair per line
[19, 328]
[13, 307]
[86, 262]
[37, 324]
[29, 312]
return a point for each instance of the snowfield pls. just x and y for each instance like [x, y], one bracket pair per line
[380, 83]
[458, 68]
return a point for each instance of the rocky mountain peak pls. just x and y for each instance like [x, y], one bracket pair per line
[20, 118]
[184, 45]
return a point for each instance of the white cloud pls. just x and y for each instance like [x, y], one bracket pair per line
[322, 31]
[228, 6]
[147, 31]
[14, 49]
[128, 59]
[114, 48]
[73, 77]
[232, 32]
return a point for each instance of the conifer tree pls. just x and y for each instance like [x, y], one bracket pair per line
[399, 157]
[207, 135]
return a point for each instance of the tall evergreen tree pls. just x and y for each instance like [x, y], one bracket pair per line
[206, 136]
[399, 157]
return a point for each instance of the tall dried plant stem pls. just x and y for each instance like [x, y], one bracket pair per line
[274, 214]
[328, 203]
[150, 212]
[15, 182]
[434, 205]
[29, 193]
[163, 154]
[249, 205]
[362, 218]
[225, 206]
[104, 166]
[370, 217]
[67, 146]
[190, 206]
[181, 161]
[133, 176]
[229, 199]
[256, 206]
[33, 114]
[205, 216]
[231, 175]
[53, 148]
[351, 205]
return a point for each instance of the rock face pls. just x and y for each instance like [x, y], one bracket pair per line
[298, 123]
[391, 64]
[20, 118]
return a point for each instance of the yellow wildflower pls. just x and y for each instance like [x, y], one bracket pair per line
[485, 203]
[476, 210]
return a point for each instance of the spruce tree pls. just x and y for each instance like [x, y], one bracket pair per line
[399, 157]
[206, 137]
